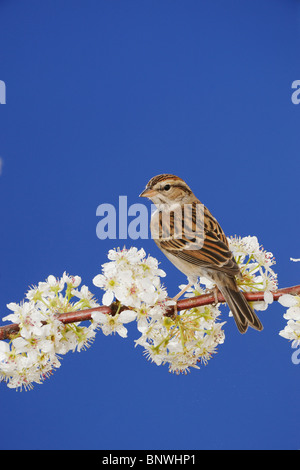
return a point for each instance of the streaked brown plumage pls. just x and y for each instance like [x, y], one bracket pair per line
[205, 251]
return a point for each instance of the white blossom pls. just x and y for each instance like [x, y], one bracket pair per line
[114, 323]
[32, 354]
[131, 278]
[255, 266]
[185, 340]
[292, 330]
[131, 284]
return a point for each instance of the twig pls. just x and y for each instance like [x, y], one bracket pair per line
[8, 331]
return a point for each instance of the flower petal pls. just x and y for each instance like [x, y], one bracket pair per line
[107, 298]
[127, 316]
[288, 300]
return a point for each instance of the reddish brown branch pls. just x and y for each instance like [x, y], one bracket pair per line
[81, 315]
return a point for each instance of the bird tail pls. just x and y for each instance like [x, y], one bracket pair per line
[243, 314]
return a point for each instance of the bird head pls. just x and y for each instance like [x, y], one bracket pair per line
[168, 189]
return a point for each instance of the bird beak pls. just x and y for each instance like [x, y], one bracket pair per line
[148, 193]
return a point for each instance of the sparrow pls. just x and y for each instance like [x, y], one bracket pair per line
[192, 239]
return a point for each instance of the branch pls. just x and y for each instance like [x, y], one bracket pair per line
[7, 331]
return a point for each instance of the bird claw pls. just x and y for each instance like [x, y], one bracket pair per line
[215, 291]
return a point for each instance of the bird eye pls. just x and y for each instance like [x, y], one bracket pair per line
[167, 187]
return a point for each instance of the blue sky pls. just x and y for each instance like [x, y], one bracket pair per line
[100, 97]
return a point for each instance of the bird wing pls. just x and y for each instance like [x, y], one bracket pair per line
[213, 251]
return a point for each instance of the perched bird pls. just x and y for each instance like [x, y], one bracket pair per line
[191, 238]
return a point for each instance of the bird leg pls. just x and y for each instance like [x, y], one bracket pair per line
[181, 292]
[215, 292]
[179, 295]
